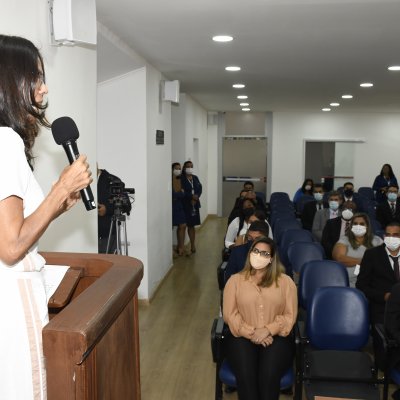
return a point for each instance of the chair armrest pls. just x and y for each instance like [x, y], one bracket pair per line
[386, 342]
[300, 332]
[221, 274]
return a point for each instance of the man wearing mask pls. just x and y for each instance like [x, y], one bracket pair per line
[389, 211]
[350, 195]
[379, 271]
[322, 216]
[311, 207]
[337, 227]
[238, 255]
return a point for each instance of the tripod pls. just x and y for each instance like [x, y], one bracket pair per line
[118, 221]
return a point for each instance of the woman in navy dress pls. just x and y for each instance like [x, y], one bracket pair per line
[178, 212]
[191, 203]
[382, 182]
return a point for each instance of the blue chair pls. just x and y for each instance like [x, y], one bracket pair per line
[367, 192]
[279, 197]
[282, 226]
[299, 253]
[275, 216]
[319, 273]
[292, 236]
[330, 358]
[224, 374]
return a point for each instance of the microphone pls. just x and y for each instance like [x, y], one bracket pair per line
[65, 132]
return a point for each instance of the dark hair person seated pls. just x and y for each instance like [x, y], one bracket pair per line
[260, 307]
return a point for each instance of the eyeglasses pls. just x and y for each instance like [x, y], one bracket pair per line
[262, 253]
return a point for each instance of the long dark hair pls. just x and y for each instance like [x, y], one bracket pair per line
[22, 68]
[391, 174]
[369, 235]
[303, 186]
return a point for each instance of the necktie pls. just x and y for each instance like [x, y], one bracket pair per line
[347, 228]
[393, 209]
[396, 267]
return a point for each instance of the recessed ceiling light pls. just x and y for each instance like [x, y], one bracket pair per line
[242, 97]
[244, 104]
[366, 84]
[238, 85]
[222, 38]
[347, 96]
[334, 104]
[232, 68]
[394, 68]
[326, 109]
[245, 109]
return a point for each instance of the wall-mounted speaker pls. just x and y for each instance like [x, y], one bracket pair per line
[73, 21]
[170, 91]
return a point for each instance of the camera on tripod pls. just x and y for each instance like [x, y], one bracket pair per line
[119, 195]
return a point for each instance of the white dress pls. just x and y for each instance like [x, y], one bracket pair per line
[23, 303]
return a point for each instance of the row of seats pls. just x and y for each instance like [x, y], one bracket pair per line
[326, 306]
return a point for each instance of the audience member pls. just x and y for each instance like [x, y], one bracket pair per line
[305, 190]
[191, 202]
[350, 195]
[261, 347]
[378, 272]
[383, 181]
[257, 216]
[238, 256]
[240, 224]
[178, 212]
[236, 207]
[322, 216]
[337, 227]
[105, 211]
[311, 207]
[389, 210]
[349, 249]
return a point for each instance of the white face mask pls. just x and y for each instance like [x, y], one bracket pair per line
[347, 214]
[189, 171]
[359, 230]
[259, 262]
[318, 196]
[392, 243]
[307, 187]
[177, 172]
[392, 196]
[333, 205]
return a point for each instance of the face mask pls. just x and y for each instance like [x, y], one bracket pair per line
[347, 214]
[333, 205]
[189, 171]
[392, 243]
[348, 192]
[259, 262]
[392, 196]
[177, 172]
[359, 230]
[318, 196]
[307, 187]
[248, 211]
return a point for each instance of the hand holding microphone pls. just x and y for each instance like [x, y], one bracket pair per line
[76, 177]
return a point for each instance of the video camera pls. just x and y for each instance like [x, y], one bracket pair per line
[119, 195]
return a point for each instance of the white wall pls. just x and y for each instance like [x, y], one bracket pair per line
[379, 131]
[71, 79]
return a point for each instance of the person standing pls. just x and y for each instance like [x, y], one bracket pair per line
[193, 189]
[25, 214]
[178, 212]
[383, 181]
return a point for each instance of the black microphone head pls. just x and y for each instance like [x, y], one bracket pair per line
[64, 129]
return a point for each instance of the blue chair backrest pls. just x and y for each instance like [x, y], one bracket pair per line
[366, 192]
[281, 214]
[282, 226]
[279, 197]
[338, 319]
[319, 273]
[299, 253]
[303, 200]
[291, 236]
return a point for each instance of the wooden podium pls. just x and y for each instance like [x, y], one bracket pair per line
[91, 343]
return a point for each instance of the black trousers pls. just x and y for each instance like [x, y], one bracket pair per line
[258, 369]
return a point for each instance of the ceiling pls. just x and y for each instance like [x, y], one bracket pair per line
[295, 55]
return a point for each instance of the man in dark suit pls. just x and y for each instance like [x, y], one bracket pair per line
[379, 272]
[392, 327]
[311, 207]
[336, 227]
[389, 211]
[238, 256]
[350, 195]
